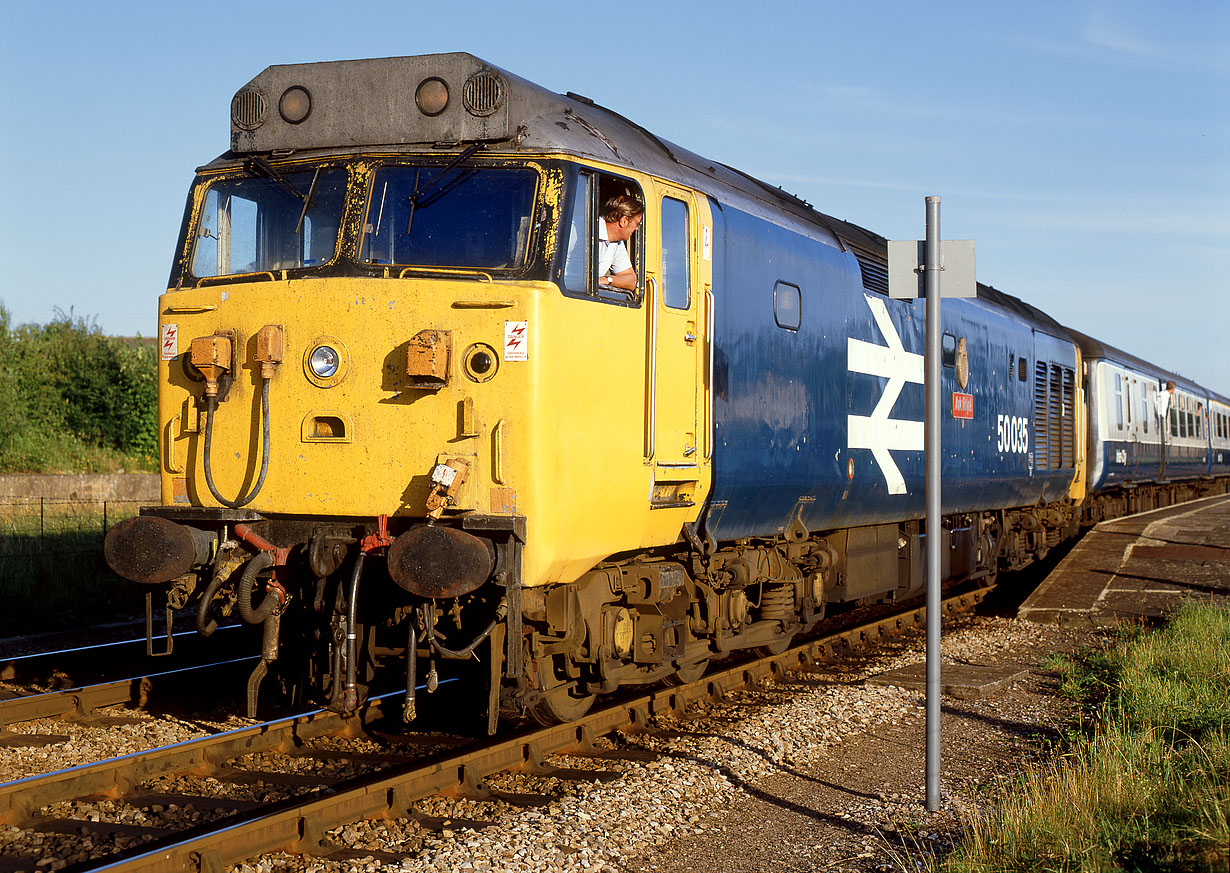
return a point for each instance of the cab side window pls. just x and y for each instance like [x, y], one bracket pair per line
[675, 252]
[580, 242]
[581, 255]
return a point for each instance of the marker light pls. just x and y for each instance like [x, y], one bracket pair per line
[295, 105]
[324, 361]
[432, 96]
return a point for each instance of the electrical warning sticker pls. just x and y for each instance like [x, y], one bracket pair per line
[516, 341]
[170, 341]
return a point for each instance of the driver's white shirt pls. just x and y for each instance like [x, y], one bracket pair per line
[612, 257]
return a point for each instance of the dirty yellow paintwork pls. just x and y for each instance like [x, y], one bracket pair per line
[1078, 487]
[560, 438]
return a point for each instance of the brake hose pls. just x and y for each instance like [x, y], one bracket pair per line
[211, 403]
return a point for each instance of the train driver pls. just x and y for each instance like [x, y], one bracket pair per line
[621, 216]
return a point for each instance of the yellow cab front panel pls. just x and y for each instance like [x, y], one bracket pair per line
[545, 436]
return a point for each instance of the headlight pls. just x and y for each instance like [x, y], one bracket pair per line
[324, 361]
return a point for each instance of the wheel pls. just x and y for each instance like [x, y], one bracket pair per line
[776, 647]
[687, 673]
[559, 700]
[561, 705]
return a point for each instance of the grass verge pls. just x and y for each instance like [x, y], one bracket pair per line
[1144, 783]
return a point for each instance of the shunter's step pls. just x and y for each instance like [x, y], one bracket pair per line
[1139, 567]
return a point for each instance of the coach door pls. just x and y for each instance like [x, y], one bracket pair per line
[675, 307]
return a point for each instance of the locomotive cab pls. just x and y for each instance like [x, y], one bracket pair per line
[390, 373]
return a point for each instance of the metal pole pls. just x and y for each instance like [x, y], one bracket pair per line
[934, 537]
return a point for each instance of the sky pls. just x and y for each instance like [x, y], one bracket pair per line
[1083, 145]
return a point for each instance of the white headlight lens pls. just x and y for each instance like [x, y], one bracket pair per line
[324, 361]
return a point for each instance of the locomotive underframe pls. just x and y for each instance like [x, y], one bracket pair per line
[550, 650]
[333, 626]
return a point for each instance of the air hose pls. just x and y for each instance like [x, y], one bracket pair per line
[211, 403]
[247, 581]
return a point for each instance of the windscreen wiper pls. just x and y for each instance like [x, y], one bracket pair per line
[416, 199]
[258, 166]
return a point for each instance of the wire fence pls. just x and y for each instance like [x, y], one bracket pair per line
[52, 571]
[41, 526]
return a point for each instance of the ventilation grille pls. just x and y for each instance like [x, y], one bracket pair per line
[483, 93]
[875, 272]
[249, 109]
[1042, 419]
[1054, 416]
[1069, 417]
[1055, 408]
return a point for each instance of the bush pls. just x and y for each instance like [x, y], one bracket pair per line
[74, 400]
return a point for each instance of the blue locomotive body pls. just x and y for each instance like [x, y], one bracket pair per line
[818, 398]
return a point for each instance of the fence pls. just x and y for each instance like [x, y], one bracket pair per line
[39, 525]
[52, 572]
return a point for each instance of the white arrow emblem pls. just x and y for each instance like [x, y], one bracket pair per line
[878, 432]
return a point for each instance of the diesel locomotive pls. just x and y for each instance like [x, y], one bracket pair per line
[403, 422]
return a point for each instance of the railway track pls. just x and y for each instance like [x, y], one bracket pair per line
[271, 804]
[82, 704]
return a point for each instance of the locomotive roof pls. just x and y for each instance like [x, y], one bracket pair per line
[388, 103]
[488, 104]
[377, 103]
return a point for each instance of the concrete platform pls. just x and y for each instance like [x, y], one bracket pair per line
[961, 681]
[1139, 567]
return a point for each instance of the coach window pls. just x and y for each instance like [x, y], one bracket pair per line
[1118, 401]
[787, 305]
[589, 192]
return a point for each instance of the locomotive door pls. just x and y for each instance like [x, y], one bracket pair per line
[675, 307]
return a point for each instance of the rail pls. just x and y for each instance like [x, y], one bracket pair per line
[299, 824]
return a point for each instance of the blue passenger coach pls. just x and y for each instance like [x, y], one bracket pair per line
[1129, 444]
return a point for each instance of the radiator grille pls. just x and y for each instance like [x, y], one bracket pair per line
[1069, 417]
[875, 272]
[1055, 409]
[249, 109]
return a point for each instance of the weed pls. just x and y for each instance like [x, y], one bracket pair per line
[1145, 784]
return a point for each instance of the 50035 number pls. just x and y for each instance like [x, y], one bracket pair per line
[1013, 433]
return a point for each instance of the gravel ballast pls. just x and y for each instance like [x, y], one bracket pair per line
[821, 770]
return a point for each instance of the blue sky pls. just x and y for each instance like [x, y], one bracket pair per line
[1084, 146]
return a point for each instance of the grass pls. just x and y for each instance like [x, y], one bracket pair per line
[52, 572]
[48, 451]
[1144, 783]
